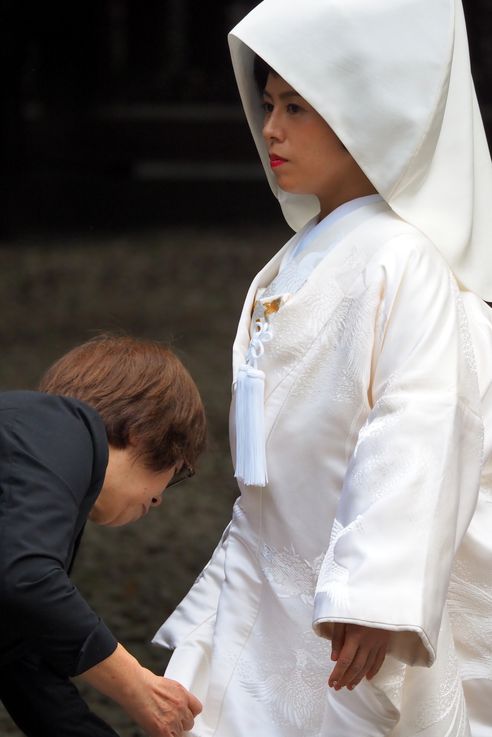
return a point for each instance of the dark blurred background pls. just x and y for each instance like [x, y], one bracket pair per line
[122, 113]
[111, 109]
[131, 199]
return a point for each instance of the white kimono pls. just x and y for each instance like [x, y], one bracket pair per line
[374, 447]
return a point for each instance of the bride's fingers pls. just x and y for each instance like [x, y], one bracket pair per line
[378, 662]
[351, 668]
[371, 659]
[337, 640]
[345, 661]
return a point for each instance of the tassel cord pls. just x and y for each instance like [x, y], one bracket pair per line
[262, 335]
[250, 415]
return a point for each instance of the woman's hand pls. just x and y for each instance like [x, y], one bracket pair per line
[359, 651]
[161, 706]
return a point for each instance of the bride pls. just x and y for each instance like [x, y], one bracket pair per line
[362, 371]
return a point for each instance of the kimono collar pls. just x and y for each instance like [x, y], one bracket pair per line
[315, 229]
[321, 239]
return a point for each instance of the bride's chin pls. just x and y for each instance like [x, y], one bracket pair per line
[291, 188]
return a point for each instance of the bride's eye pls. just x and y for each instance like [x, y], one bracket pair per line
[293, 109]
[267, 107]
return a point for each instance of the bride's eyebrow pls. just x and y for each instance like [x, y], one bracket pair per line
[283, 95]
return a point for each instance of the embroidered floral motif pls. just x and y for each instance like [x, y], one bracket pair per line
[333, 577]
[449, 700]
[376, 474]
[323, 366]
[355, 341]
[290, 279]
[383, 413]
[290, 574]
[470, 604]
[298, 329]
[290, 682]
[342, 348]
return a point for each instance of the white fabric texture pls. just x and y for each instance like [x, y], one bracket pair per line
[378, 401]
[372, 386]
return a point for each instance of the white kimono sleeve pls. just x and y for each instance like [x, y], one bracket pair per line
[412, 482]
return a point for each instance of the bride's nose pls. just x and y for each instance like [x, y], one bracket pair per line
[272, 127]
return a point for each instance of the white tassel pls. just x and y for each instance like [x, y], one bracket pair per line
[250, 427]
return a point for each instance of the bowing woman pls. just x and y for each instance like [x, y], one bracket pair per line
[360, 545]
[116, 421]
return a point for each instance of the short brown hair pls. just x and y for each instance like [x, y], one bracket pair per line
[142, 392]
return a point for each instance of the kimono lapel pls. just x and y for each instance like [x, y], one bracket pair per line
[338, 260]
[327, 241]
[335, 280]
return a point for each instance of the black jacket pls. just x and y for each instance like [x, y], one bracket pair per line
[53, 457]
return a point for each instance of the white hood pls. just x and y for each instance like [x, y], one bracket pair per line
[392, 79]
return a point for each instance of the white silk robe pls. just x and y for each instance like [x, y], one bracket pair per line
[377, 383]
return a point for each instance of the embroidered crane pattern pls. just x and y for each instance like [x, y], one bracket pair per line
[333, 577]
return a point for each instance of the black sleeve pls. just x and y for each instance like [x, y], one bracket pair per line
[47, 461]
[45, 704]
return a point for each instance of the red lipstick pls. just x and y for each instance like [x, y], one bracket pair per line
[276, 161]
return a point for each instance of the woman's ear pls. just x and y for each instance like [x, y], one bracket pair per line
[132, 440]
[133, 448]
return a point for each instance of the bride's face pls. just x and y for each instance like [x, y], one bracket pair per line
[305, 154]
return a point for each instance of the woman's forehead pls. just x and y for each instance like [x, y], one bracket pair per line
[276, 84]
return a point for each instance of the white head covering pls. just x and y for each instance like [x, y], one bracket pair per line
[392, 79]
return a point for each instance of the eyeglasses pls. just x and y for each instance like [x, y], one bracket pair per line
[185, 472]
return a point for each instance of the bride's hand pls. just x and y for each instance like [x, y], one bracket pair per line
[359, 651]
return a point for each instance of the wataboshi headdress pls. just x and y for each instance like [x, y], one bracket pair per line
[392, 79]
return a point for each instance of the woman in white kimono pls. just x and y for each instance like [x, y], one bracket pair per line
[362, 386]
